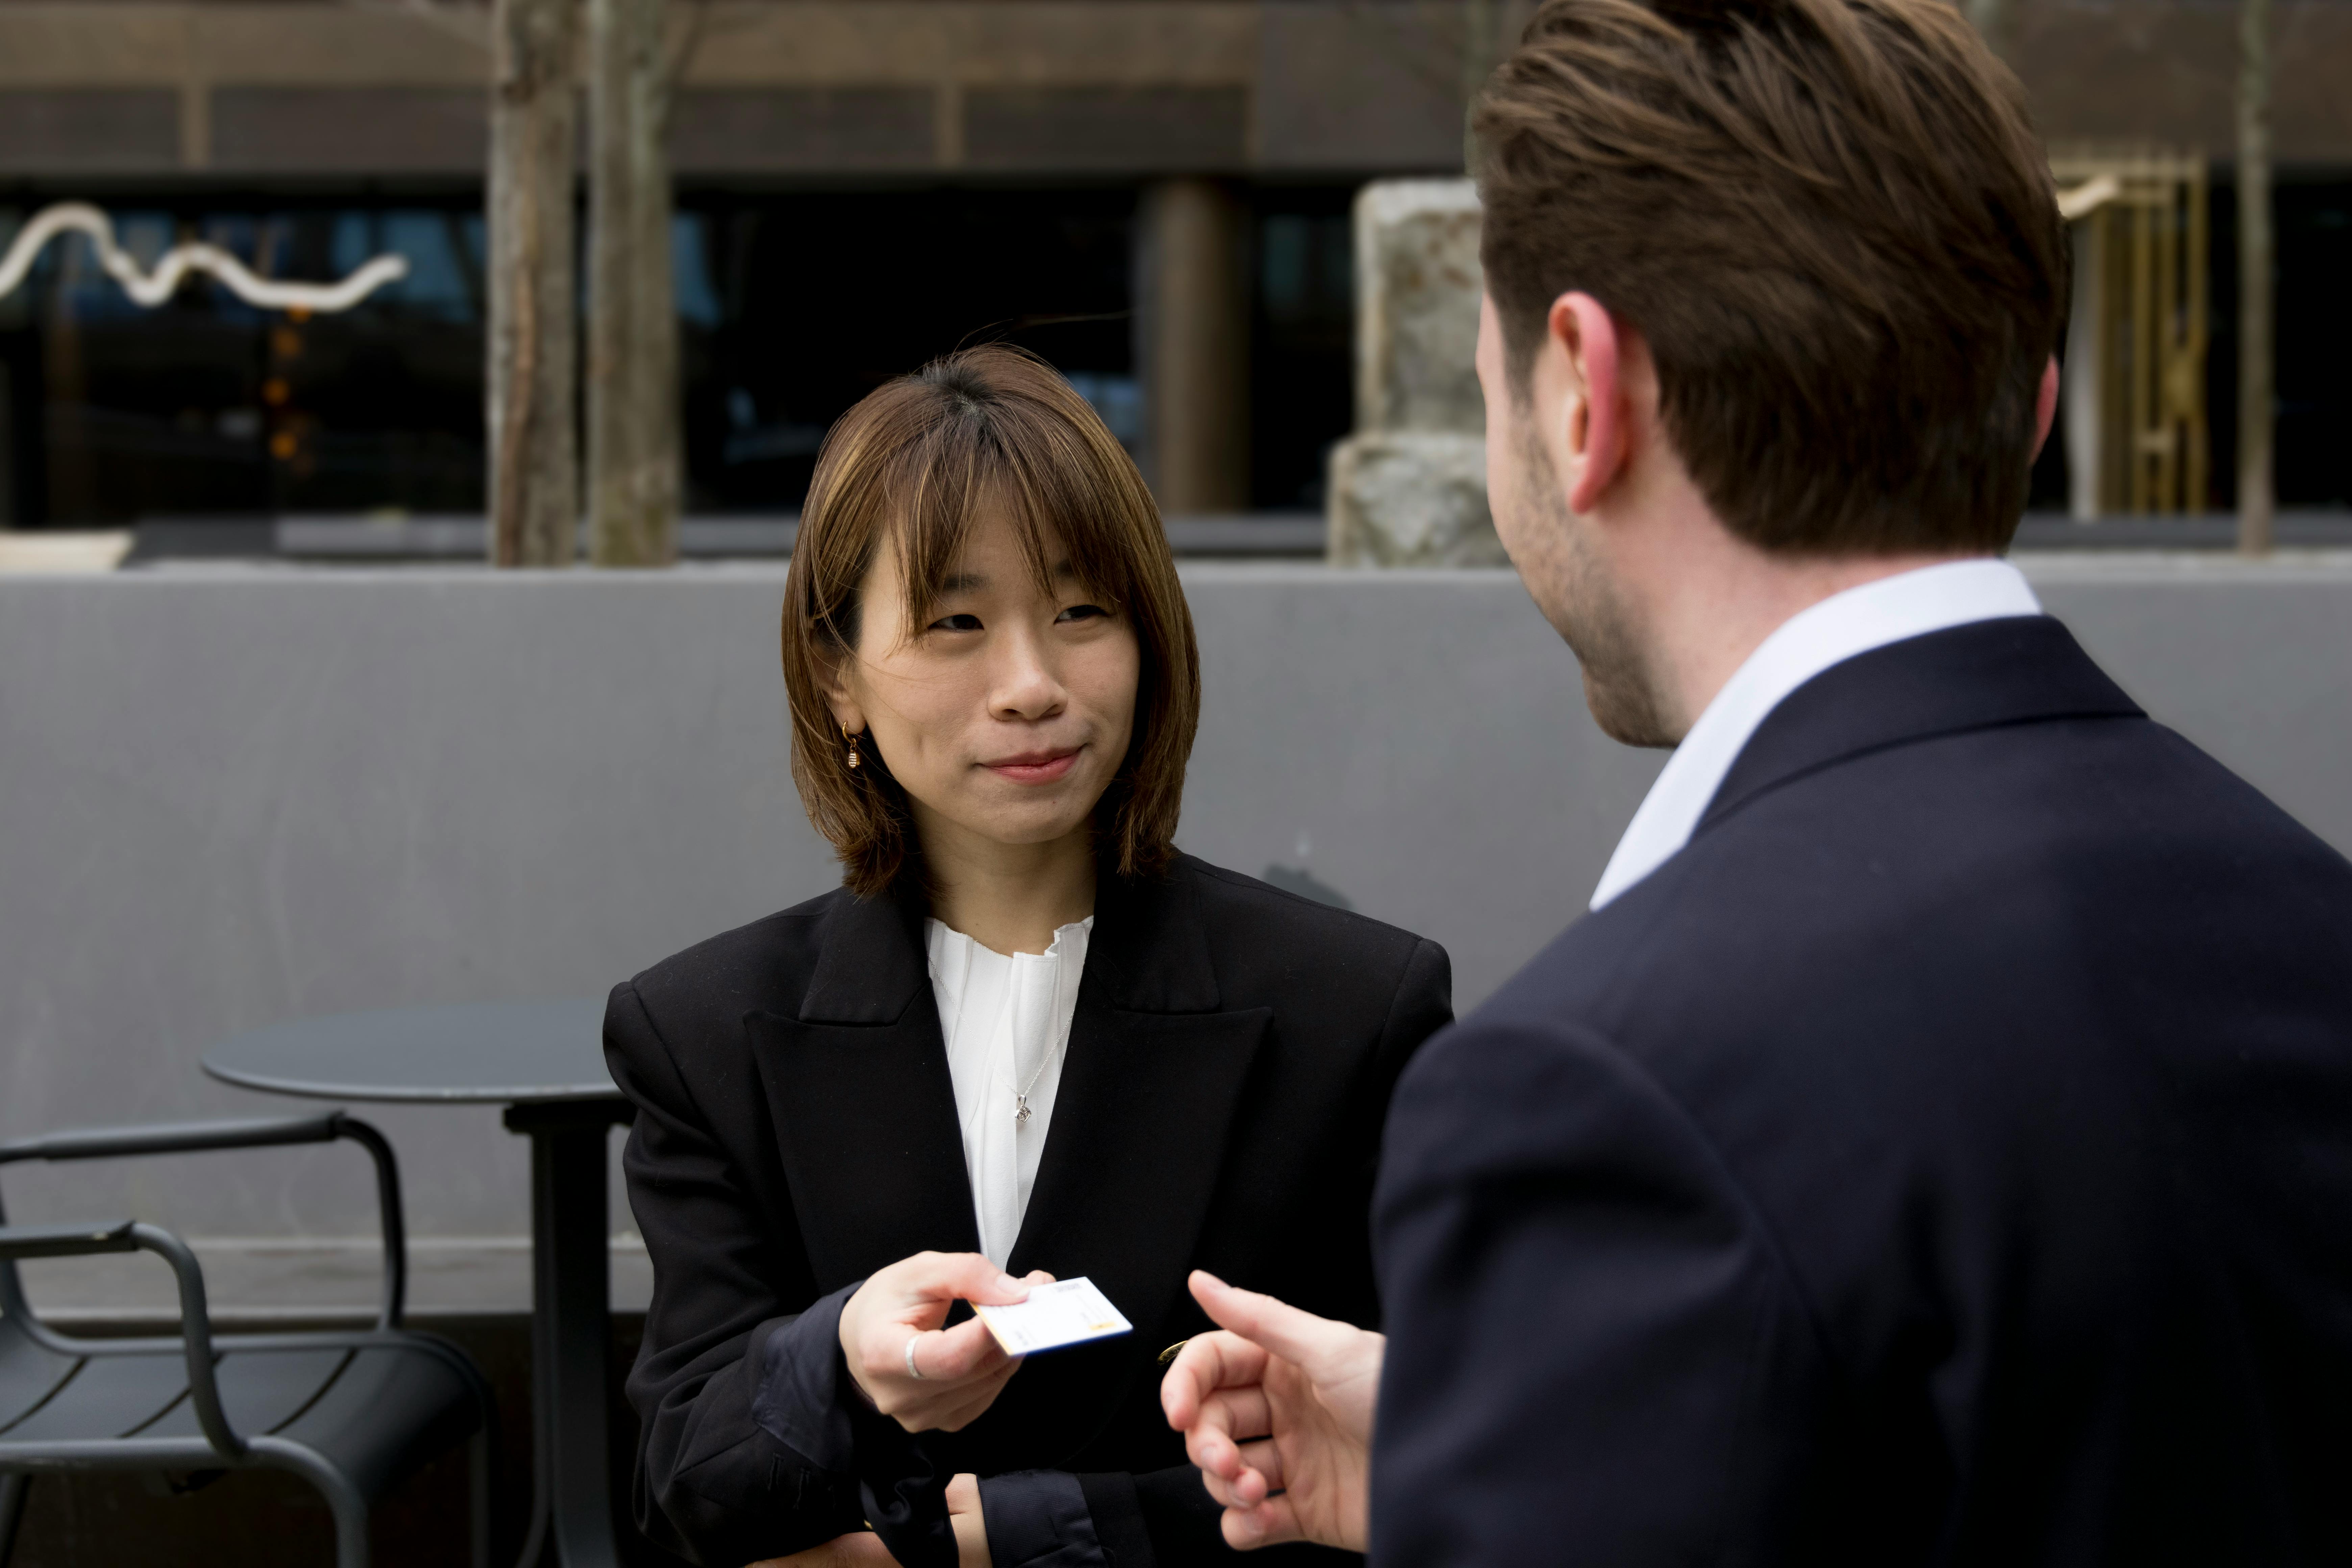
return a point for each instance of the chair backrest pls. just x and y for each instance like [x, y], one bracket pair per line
[32, 1367]
[195, 1137]
[16, 1312]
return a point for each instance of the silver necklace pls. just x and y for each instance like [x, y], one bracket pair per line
[1021, 1095]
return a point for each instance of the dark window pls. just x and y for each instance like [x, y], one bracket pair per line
[1302, 392]
[794, 306]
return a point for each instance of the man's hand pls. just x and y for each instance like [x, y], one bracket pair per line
[1279, 1413]
[901, 1308]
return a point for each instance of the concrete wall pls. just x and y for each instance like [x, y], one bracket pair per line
[233, 797]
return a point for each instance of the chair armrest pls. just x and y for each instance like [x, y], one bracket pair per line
[173, 1138]
[66, 1240]
[196, 1321]
[200, 1137]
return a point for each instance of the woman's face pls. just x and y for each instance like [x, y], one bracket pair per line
[1007, 712]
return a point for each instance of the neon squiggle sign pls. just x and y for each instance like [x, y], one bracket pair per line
[151, 289]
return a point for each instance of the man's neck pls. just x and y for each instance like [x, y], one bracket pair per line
[1709, 600]
[1009, 898]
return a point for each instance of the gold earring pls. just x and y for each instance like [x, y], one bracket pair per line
[853, 747]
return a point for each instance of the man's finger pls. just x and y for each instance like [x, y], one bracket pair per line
[1240, 1414]
[1269, 1523]
[1207, 1363]
[1212, 1452]
[1294, 1335]
[1220, 1491]
[1263, 1460]
[1227, 1421]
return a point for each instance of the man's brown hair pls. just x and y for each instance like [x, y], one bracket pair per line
[987, 431]
[1831, 222]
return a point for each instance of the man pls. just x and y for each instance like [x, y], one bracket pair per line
[1935, 1145]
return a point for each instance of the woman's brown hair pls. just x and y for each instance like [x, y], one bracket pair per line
[916, 463]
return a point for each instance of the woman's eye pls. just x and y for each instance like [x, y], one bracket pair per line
[965, 622]
[1082, 613]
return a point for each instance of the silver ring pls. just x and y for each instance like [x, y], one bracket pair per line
[912, 1370]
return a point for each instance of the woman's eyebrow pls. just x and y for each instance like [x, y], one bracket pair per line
[975, 582]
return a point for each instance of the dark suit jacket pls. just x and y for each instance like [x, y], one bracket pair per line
[1945, 1158]
[1228, 1070]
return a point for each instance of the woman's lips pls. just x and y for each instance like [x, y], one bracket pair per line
[1034, 767]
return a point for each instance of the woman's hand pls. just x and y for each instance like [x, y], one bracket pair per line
[894, 1317]
[865, 1549]
[963, 1514]
[862, 1549]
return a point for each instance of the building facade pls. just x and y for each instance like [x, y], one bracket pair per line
[1151, 193]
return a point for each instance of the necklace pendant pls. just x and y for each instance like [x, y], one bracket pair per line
[1020, 1110]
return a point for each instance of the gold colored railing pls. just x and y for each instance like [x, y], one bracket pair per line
[2134, 380]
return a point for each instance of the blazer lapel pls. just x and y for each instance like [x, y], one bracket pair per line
[2019, 669]
[858, 1083]
[1154, 1075]
[865, 1111]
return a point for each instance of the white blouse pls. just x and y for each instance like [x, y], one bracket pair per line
[1007, 1023]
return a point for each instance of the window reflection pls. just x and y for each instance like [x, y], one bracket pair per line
[206, 405]
[791, 305]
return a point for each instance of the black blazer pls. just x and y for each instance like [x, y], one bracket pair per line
[1228, 1070]
[1945, 1158]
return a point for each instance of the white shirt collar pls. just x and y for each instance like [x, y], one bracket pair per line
[1908, 605]
[1005, 1019]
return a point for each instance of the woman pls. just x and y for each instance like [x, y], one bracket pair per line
[1027, 1038]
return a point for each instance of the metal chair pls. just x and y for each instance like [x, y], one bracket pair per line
[351, 1411]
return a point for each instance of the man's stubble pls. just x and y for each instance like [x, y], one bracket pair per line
[1563, 567]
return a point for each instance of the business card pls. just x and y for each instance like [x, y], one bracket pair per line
[1067, 1312]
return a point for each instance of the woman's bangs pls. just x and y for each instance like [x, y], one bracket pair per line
[963, 475]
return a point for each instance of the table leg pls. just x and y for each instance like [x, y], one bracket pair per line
[571, 1323]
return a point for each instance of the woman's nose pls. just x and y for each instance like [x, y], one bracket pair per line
[1027, 685]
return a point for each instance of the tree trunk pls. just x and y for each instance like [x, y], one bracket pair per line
[534, 501]
[2255, 386]
[634, 477]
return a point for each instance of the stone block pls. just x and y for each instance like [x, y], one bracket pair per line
[1412, 498]
[1409, 487]
[1417, 287]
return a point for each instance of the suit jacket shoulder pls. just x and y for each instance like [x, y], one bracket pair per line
[762, 966]
[1263, 939]
[1970, 1094]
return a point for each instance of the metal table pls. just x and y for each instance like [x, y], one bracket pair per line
[545, 1061]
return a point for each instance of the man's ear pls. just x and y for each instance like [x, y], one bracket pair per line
[1593, 413]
